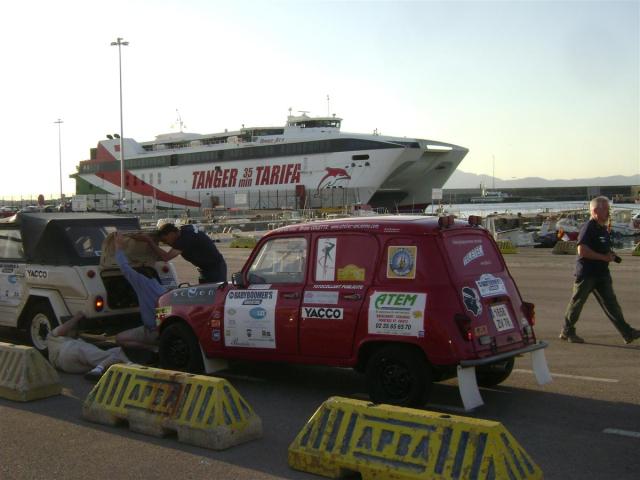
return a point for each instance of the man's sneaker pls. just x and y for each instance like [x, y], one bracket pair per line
[571, 338]
[95, 374]
[635, 334]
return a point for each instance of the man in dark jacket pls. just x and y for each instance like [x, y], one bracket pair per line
[195, 247]
[592, 275]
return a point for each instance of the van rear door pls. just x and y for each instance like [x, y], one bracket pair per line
[487, 294]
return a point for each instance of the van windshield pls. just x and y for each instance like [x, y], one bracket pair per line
[472, 254]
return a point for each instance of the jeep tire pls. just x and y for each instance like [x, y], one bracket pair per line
[180, 350]
[398, 375]
[39, 322]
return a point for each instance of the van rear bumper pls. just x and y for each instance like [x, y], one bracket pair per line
[502, 356]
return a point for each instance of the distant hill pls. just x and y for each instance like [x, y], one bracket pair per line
[461, 179]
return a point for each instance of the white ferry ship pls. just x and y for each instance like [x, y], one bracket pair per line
[308, 163]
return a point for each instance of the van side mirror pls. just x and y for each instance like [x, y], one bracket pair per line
[238, 280]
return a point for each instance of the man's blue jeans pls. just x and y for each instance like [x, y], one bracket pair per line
[602, 288]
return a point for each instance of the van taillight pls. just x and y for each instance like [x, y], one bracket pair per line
[165, 269]
[98, 304]
[529, 311]
[91, 273]
[464, 325]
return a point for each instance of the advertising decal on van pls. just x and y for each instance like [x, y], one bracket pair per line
[397, 313]
[326, 259]
[471, 300]
[490, 286]
[401, 262]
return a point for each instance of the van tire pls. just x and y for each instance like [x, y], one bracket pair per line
[398, 375]
[494, 374]
[39, 322]
[180, 350]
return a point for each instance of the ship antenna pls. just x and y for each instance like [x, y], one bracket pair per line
[179, 120]
[328, 109]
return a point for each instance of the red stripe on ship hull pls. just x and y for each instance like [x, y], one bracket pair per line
[145, 189]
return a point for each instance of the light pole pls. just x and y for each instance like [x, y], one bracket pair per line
[119, 42]
[60, 122]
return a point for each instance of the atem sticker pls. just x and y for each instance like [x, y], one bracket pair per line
[401, 262]
[322, 313]
[397, 313]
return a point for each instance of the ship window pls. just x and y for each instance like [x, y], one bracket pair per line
[159, 178]
[360, 157]
[174, 160]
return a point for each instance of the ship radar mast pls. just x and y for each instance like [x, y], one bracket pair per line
[179, 122]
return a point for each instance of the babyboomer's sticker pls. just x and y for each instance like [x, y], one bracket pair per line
[401, 262]
[471, 300]
[490, 286]
[250, 318]
[351, 273]
[397, 313]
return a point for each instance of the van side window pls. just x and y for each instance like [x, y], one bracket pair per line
[281, 260]
[345, 258]
[11, 244]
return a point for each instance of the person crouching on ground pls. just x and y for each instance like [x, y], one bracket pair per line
[148, 290]
[71, 354]
[592, 275]
[195, 247]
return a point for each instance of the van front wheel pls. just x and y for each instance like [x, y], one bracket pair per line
[399, 375]
[180, 350]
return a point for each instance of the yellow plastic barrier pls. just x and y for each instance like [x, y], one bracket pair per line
[565, 248]
[636, 251]
[505, 246]
[345, 436]
[25, 374]
[203, 411]
[243, 242]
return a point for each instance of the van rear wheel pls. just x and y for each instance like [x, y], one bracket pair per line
[180, 350]
[399, 375]
[494, 374]
[40, 321]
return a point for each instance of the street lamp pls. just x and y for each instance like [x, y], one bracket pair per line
[119, 42]
[60, 122]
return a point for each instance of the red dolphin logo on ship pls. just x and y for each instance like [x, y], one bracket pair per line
[333, 176]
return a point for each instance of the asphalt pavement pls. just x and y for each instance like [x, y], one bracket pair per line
[585, 424]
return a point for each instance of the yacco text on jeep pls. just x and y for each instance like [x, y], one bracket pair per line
[50, 268]
[406, 300]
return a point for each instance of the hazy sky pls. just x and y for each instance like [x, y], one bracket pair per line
[549, 89]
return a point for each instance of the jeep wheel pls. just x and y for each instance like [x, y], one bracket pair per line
[399, 375]
[494, 374]
[40, 321]
[180, 350]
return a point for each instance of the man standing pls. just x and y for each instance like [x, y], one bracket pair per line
[195, 247]
[592, 275]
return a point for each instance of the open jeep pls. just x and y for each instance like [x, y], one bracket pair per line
[50, 268]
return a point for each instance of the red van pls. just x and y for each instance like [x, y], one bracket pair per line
[407, 300]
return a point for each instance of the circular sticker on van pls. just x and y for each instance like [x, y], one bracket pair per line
[402, 262]
[471, 300]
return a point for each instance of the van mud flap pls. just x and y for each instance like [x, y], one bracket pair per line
[467, 382]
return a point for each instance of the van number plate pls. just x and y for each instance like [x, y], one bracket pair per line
[501, 318]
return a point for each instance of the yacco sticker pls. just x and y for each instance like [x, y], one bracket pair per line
[471, 255]
[351, 273]
[471, 300]
[320, 298]
[36, 274]
[490, 286]
[322, 313]
[326, 259]
[401, 262]
[397, 313]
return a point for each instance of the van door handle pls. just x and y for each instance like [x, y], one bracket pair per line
[291, 295]
[352, 296]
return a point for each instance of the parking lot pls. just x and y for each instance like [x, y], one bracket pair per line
[585, 424]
